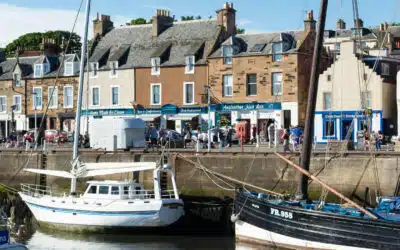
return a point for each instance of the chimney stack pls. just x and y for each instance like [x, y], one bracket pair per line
[102, 25]
[226, 17]
[340, 24]
[309, 22]
[161, 21]
[358, 23]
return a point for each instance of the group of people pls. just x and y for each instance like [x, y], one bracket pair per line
[218, 136]
[375, 139]
[158, 137]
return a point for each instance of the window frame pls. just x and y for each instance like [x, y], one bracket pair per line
[64, 102]
[92, 99]
[94, 68]
[184, 93]
[324, 127]
[151, 94]
[328, 77]
[277, 55]
[111, 96]
[66, 73]
[38, 73]
[56, 97]
[5, 104]
[155, 66]
[273, 83]
[113, 69]
[188, 65]
[102, 186]
[17, 79]
[251, 83]
[385, 66]
[228, 57]
[35, 98]
[324, 94]
[20, 103]
[224, 86]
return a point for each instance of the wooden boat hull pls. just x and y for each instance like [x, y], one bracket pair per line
[262, 222]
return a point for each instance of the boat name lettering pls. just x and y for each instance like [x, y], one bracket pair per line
[280, 213]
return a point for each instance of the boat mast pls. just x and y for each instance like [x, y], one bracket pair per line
[302, 191]
[80, 90]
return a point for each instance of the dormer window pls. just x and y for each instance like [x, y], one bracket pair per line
[17, 79]
[155, 66]
[189, 68]
[38, 70]
[114, 68]
[69, 69]
[94, 68]
[277, 52]
[227, 53]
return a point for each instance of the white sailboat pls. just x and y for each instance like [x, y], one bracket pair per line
[104, 204]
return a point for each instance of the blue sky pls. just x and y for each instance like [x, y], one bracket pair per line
[253, 15]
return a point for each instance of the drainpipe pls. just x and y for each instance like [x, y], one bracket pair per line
[398, 102]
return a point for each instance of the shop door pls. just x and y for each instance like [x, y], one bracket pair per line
[347, 129]
[170, 124]
[53, 123]
[287, 118]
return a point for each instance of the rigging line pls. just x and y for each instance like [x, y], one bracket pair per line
[205, 172]
[202, 166]
[58, 72]
[47, 106]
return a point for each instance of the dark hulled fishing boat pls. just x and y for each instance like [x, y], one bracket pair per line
[301, 224]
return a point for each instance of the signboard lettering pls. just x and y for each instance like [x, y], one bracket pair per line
[4, 237]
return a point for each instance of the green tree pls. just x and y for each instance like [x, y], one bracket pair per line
[187, 18]
[240, 31]
[198, 17]
[395, 24]
[138, 21]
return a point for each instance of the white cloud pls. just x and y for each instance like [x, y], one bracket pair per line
[255, 31]
[20, 20]
[242, 22]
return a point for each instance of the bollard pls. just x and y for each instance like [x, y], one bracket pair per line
[257, 141]
[220, 146]
[198, 146]
[44, 145]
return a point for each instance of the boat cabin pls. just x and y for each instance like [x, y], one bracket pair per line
[117, 190]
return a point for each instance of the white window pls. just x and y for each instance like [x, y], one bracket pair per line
[251, 84]
[366, 100]
[95, 96]
[3, 104]
[155, 66]
[227, 53]
[46, 68]
[385, 69]
[188, 93]
[17, 79]
[277, 52]
[227, 85]
[115, 95]
[189, 69]
[68, 97]
[69, 69]
[53, 97]
[327, 101]
[113, 69]
[277, 83]
[17, 103]
[155, 94]
[37, 98]
[329, 128]
[94, 68]
[38, 70]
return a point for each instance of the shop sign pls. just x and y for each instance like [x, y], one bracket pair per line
[149, 111]
[192, 110]
[169, 109]
[246, 106]
[107, 112]
[344, 116]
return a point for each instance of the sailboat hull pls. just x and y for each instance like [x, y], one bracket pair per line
[73, 214]
[262, 222]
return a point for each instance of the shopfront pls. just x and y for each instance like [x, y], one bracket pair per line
[345, 125]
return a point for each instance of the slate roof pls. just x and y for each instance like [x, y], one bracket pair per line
[27, 65]
[248, 41]
[181, 38]
[367, 33]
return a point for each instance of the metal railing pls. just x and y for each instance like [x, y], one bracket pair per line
[144, 194]
[36, 190]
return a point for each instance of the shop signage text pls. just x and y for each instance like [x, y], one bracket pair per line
[247, 106]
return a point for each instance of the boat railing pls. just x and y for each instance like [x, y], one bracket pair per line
[143, 194]
[36, 190]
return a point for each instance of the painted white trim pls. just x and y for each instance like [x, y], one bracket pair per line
[184, 93]
[5, 109]
[155, 61]
[247, 232]
[91, 96]
[111, 95]
[20, 104]
[72, 69]
[69, 106]
[55, 106]
[151, 94]
[116, 69]
[272, 83]
[187, 71]
[34, 96]
[41, 71]
[223, 85]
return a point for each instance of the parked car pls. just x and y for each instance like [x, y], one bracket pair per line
[50, 135]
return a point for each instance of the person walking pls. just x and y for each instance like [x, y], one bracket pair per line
[285, 138]
[271, 133]
[379, 139]
[229, 137]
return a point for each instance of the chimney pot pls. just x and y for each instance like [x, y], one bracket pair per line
[226, 18]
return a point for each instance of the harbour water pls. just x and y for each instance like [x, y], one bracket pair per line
[69, 241]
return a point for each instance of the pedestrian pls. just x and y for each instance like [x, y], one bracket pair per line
[367, 140]
[379, 139]
[285, 138]
[271, 133]
[253, 134]
[160, 135]
[221, 138]
[187, 137]
[293, 140]
[229, 137]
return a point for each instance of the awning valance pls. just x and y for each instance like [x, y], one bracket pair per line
[183, 117]
[148, 118]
